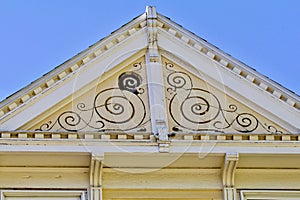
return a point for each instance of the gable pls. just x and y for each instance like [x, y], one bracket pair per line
[119, 102]
[151, 76]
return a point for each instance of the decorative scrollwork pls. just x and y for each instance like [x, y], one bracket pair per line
[129, 81]
[197, 109]
[114, 109]
[137, 66]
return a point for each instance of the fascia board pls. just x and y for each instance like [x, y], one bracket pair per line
[138, 21]
[226, 56]
[81, 147]
[202, 148]
[222, 78]
[49, 98]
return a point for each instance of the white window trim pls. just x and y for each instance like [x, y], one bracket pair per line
[42, 193]
[270, 194]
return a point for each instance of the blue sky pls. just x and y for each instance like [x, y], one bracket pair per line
[37, 35]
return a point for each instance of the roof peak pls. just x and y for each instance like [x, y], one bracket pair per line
[151, 12]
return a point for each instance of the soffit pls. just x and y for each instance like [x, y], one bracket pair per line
[153, 161]
[265, 161]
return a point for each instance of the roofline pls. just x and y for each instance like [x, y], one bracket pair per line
[75, 60]
[241, 68]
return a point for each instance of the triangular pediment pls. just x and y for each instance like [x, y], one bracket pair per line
[154, 76]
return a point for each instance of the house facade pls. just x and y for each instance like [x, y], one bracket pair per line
[151, 112]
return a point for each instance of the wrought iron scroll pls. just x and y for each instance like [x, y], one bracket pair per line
[197, 109]
[114, 109]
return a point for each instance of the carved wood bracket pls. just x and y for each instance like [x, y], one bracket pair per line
[96, 177]
[230, 164]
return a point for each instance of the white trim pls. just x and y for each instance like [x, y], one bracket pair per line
[88, 73]
[139, 21]
[155, 79]
[184, 33]
[228, 174]
[223, 79]
[211, 147]
[269, 194]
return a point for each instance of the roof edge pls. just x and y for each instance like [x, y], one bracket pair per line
[71, 66]
[226, 60]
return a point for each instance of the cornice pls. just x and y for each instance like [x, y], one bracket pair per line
[148, 137]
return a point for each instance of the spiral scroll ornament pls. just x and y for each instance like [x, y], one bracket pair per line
[129, 81]
[197, 109]
[114, 109]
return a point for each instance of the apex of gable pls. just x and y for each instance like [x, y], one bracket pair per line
[151, 12]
